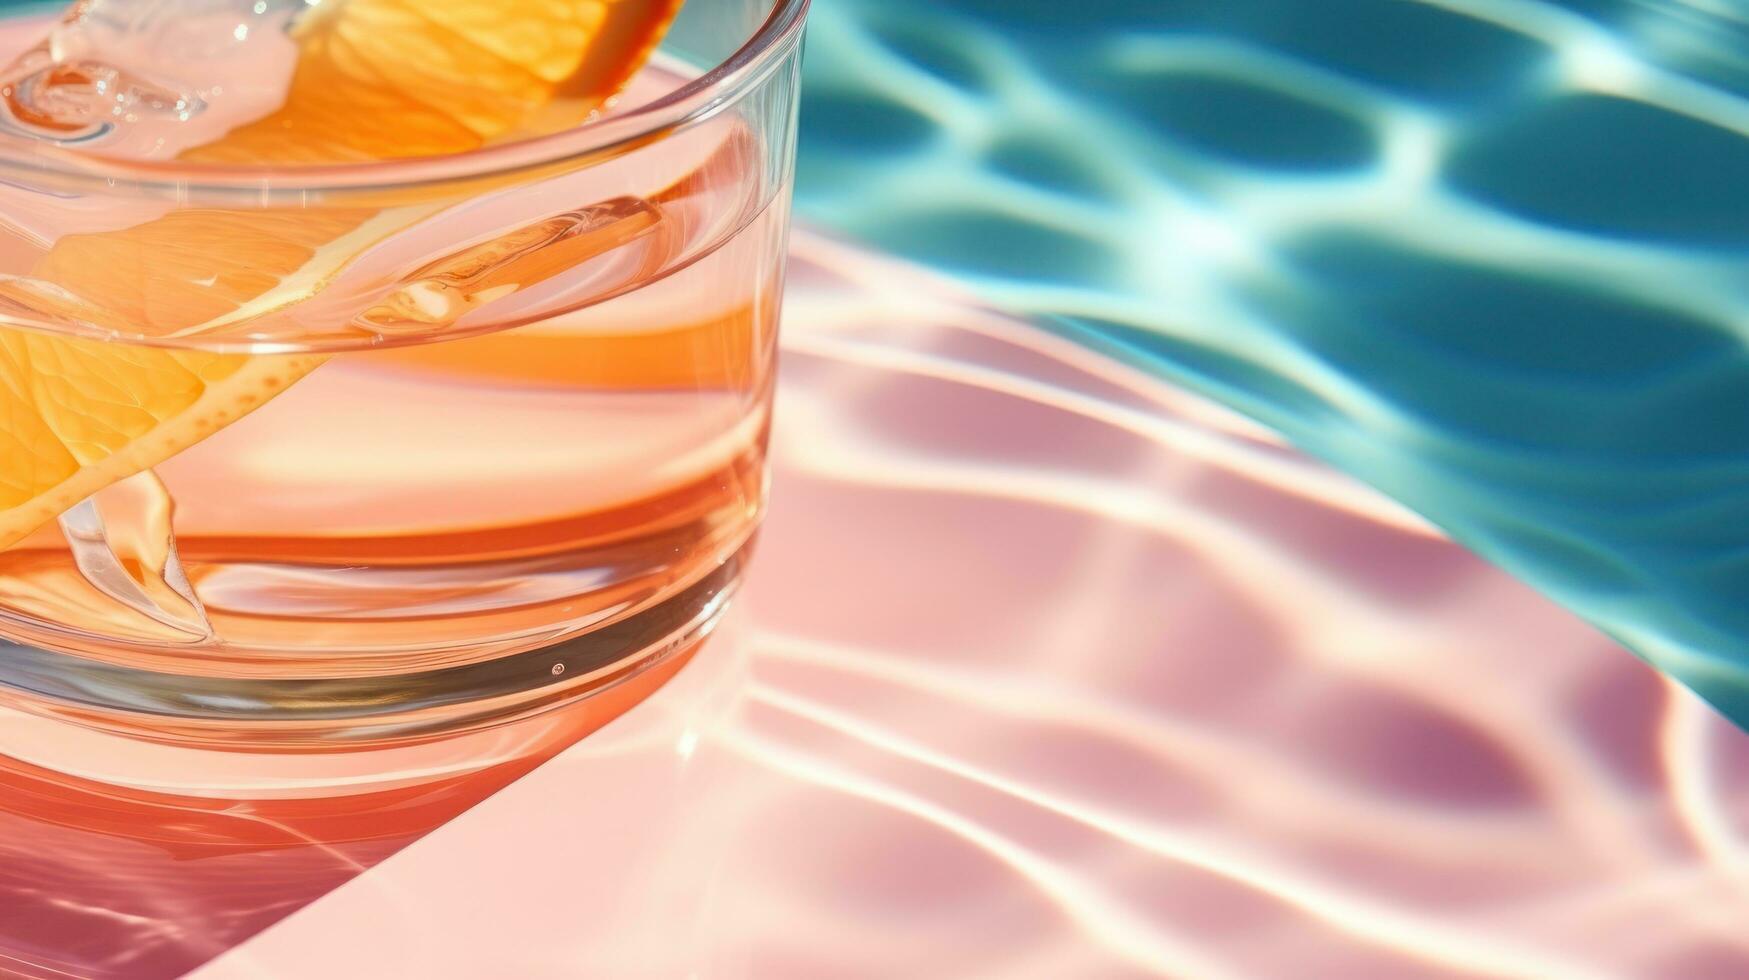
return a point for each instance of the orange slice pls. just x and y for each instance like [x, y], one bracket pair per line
[77, 415]
[398, 78]
[374, 79]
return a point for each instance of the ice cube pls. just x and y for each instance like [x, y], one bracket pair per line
[150, 78]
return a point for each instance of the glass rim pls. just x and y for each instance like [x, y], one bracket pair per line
[698, 99]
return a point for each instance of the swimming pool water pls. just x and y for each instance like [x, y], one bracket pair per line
[1491, 256]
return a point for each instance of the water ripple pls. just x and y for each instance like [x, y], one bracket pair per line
[1487, 255]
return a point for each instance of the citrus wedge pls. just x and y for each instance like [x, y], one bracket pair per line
[374, 79]
[377, 79]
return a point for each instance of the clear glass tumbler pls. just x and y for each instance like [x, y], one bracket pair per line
[474, 435]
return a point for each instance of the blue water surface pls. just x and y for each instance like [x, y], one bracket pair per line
[1490, 256]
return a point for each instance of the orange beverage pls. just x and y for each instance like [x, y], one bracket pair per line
[379, 383]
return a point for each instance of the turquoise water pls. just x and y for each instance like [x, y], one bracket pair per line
[1490, 256]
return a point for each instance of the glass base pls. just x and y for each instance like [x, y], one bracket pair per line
[356, 712]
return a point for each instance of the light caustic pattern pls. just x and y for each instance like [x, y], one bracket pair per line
[1046, 671]
[1488, 255]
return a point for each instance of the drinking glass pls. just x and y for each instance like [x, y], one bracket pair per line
[509, 450]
